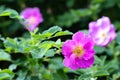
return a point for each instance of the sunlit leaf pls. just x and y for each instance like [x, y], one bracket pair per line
[4, 56]
[10, 12]
[6, 74]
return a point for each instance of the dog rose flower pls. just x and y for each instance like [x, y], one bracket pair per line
[78, 52]
[102, 31]
[32, 17]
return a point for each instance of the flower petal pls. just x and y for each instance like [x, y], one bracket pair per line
[79, 37]
[93, 29]
[85, 63]
[70, 62]
[68, 47]
[89, 43]
[88, 54]
[112, 32]
[104, 23]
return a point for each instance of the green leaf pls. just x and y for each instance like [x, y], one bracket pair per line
[97, 60]
[85, 77]
[4, 56]
[56, 63]
[83, 12]
[116, 76]
[10, 44]
[109, 3]
[62, 74]
[53, 30]
[39, 52]
[101, 73]
[61, 33]
[100, 61]
[21, 74]
[99, 49]
[59, 75]
[6, 74]
[10, 12]
[58, 41]
[70, 3]
[45, 49]
[112, 65]
[35, 52]
[50, 53]
[12, 66]
[67, 19]
[103, 59]
[2, 7]
[46, 35]
[118, 38]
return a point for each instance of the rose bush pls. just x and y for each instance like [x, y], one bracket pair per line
[83, 46]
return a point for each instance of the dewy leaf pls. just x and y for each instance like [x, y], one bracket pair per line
[6, 74]
[4, 56]
[10, 12]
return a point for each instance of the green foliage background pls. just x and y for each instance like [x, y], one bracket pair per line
[27, 56]
[69, 14]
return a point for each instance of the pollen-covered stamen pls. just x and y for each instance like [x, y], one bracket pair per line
[78, 51]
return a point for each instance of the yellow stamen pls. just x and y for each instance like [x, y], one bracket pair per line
[104, 35]
[78, 51]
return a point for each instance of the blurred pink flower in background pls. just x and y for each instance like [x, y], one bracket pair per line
[102, 31]
[32, 17]
[78, 52]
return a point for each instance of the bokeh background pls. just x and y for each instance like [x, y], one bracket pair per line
[73, 15]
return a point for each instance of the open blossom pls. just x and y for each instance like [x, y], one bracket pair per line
[102, 31]
[32, 17]
[78, 52]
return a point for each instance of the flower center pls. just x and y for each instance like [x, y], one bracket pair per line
[32, 20]
[78, 51]
[104, 35]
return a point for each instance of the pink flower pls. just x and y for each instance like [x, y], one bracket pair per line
[102, 31]
[78, 52]
[32, 17]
